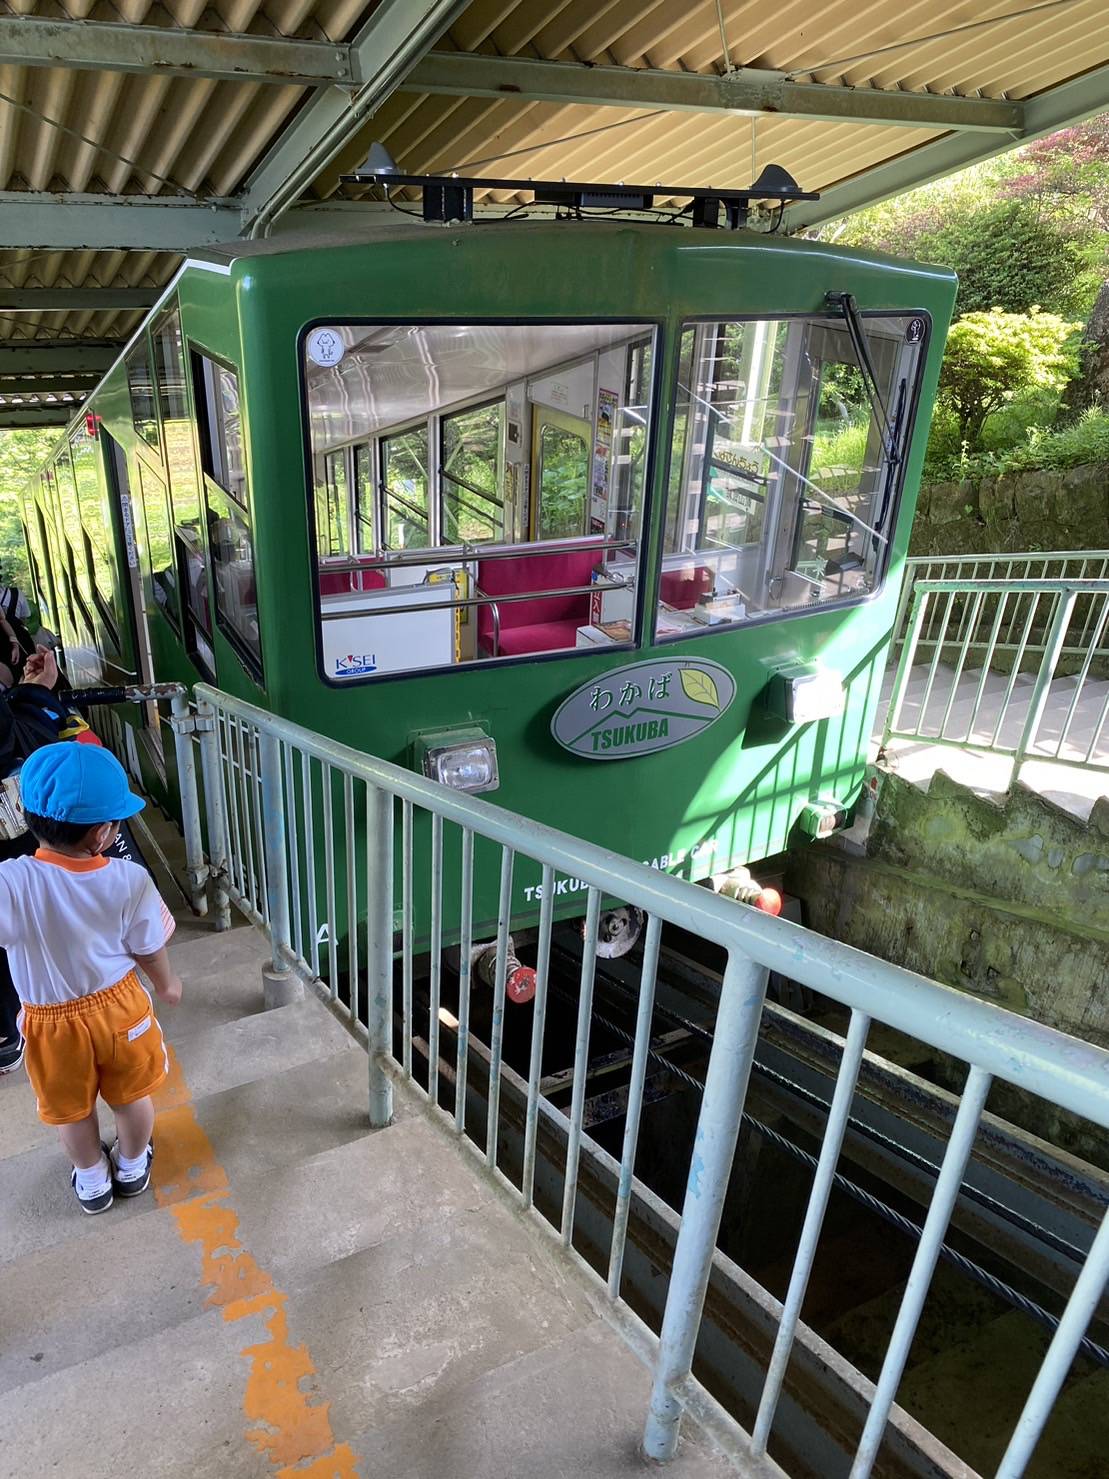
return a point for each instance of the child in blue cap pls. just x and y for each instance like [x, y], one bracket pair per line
[75, 924]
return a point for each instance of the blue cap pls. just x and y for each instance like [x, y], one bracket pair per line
[70, 782]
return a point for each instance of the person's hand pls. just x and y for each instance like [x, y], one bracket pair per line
[170, 991]
[41, 668]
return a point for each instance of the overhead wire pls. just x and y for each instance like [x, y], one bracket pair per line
[974, 1271]
[102, 148]
[808, 68]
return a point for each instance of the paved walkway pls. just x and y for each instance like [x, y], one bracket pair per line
[1073, 786]
[295, 1296]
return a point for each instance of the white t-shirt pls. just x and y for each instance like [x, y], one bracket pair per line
[72, 926]
[22, 609]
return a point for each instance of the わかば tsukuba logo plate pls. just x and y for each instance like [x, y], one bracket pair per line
[641, 708]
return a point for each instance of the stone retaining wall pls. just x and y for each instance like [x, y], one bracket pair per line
[1044, 510]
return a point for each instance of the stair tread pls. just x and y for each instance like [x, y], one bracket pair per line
[441, 1318]
[212, 1058]
[295, 1220]
[269, 1122]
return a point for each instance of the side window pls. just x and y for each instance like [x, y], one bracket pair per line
[365, 500]
[189, 549]
[140, 387]
[96, 533]
[784, 468]
[230, 537]
[332, 517]
[404, 487]
[471, 473]
[223, 443]
[156, 547]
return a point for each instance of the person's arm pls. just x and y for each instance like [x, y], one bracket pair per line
[161, 975]
[11, 639]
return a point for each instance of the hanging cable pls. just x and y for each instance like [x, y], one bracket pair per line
[864, 56]
[857, 1193]
[95, 144]
[728, 68]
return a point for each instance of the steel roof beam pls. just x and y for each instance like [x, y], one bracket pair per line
[14, 418]
[76, 300]
[746, 90]
[1058, 107]
[60, 383]
[74, 221]
[62, 356]
[396, 35]
[29, 41]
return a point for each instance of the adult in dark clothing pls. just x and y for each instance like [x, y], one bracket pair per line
[32, 715]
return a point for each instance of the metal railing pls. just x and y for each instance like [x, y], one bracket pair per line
[1009, 667]
[1028, 565]
[304, 831]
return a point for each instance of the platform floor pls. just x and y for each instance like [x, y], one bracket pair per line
[1071, 786]
[295, 1296]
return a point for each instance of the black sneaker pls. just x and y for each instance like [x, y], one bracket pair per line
[102, 1200]
[11, 1055]
[135, 1185]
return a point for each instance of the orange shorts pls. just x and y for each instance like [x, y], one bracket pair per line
[109, 1043]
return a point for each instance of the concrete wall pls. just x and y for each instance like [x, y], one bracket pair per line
[1044, 510]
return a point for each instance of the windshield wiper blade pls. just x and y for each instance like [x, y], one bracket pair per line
[846, 304]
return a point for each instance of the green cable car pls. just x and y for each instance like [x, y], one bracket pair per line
[605, 518]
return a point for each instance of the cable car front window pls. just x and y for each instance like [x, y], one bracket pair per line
[785, 465]
[496, 487]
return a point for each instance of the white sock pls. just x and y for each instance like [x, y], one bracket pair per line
[129, 1169]
[93, 1180]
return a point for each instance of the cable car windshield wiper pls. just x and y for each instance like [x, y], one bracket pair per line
[852, 317]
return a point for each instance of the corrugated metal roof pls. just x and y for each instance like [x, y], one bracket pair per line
[106, 132]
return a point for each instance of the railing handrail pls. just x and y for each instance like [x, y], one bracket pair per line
[1071, 1074]
[1025, 555]
[1085, 586]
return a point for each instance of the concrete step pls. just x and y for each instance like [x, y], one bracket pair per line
[374, 1308]
[265, 1124]
[212, 1059]
[295, 1220]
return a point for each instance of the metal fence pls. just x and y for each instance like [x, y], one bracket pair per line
[1010, 667]
[1029, 565]
[303, 831]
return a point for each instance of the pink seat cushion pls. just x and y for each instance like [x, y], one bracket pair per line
[344, 582]
[683, 588]
[544, 619]
[544, 636]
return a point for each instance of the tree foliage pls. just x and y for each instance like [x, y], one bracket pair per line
[22, 453]
[993, 358]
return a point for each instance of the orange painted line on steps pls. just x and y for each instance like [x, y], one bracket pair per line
[293, 1433]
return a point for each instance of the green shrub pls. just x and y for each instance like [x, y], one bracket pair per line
[994, 358]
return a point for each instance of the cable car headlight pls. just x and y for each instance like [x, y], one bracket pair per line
[803, 693]
[464, 759]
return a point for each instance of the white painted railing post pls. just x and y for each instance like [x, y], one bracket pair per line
[280, 985]
[733, 1046]
[182, 726]
[215, 812]
[1053, 647]
[379, 951]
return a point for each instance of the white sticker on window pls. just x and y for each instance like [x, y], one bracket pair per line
[325, 346]
[138, 1030]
